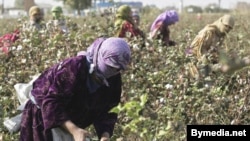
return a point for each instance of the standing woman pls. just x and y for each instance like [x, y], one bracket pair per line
[58, 22]
[36, 19]
[124, 23]
[160, 27]
[78, 92]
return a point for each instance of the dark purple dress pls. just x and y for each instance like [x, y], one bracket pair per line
[62, 94]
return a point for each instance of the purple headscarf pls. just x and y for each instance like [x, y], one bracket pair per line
[109, 56]
[168, 17]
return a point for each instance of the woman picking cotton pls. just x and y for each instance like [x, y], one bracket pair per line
[124, 24]
[58, 22]
[207, 48]
[160, 27]
[78, 92]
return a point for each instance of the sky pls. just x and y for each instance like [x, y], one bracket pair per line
[202, 3]
[158, 3]
[10, 3]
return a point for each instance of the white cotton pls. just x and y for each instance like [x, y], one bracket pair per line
[91, 69]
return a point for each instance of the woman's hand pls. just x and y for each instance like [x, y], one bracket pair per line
[105, 137]
[78, 134]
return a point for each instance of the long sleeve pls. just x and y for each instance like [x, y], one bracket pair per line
[128, 28]
[166, 35]
[105, 124]
[154, 32]
[202, 43]
[53, 91]
[106, 120]
[161, 32]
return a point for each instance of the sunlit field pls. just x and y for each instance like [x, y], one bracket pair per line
[159, 96]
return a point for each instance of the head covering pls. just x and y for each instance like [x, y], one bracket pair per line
[57, 12]
[228, 20]
[224, 23]
[57, 9]
[109, 56]
[168, 17]
[123, 13]
[36, 16]
[34, 10]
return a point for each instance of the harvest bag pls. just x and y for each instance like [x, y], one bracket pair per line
[23, 94]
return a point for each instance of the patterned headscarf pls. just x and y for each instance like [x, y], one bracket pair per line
[109, 56]
[123, 14]
[168, 17]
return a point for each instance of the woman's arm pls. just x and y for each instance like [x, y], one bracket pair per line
[153, 33]
[58, 88]
[202, 43]
[78, 134]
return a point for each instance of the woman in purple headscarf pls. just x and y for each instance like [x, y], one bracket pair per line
[78, 92]
[160, 27]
